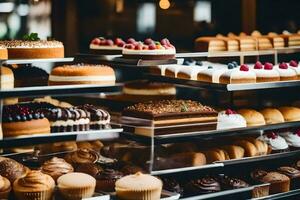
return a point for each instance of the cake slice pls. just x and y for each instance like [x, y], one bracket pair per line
[210, 44]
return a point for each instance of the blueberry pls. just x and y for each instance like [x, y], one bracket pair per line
[10, 119]
[36, 115]
[42, 115]
[23, 118]
[230, 66]
[235, 64]
[209, 67]
[30, 116]
[199, 62]
[18, 118]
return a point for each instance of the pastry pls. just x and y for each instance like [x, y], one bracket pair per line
[3, 52]
[187, 159]
[67, 119]
[165, 113]
[172, 70]
[99, 118]
[249, 148]
[149, 50]
[106, 180]
[290, 114]
[35, 185]
[82, 74]
[261, 146]
[286, 73]
[252, 117]
[7, 83]
[76, 186]
[170, 184]
[257, 175]
[212, 73]
[234, 151]
[276, 143]
[57, 147]
[293, 174]
[272, 115]
[263, 43]
[229, 183]
[210, 44]
[291, 40]
[292, 138]
[279, 182]
[56, 167]
[200, 186]
[214, 155]
[190, 73]
[103, 46]
[277, 41]
[22, 119]
[294, 65]
[231, 43]
[138, 187]
[265, 73]
[28, 49]
[38, 76]
[82, 156]
[89, 168]
[230, 119]
[241, 75]
[5, 188]
[158, 70]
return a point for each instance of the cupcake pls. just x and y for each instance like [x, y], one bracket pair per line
[131, 169]
[277, 144]
[34, 186]
[279, 182]
[5, 187]
[292, 138]
[200, 186]
[229, 183]
[106, 180]
[89, 168]
[139, 187]
[82, 156]
[293, 174]
[12, 170]
[76, 186]
[56, 167]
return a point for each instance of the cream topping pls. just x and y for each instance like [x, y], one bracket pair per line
[239, 74]
[291, 138]
[170, 51]
[70, 122]
[81, 78]
[230, 121]
[276, 144]
[266, 73]
[285, 72]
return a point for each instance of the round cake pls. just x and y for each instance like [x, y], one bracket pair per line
[22, 119]
[149, 50]
[230, 119]
[25, 49]
[105, 46]
[3, 52]
[82, 74]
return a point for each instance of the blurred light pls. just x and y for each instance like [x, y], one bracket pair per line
[23, 9]
[146, 18]
[14, 22]
[202, 11]
[164, 4]
[119, 6]
[6, 7]
[3, 29]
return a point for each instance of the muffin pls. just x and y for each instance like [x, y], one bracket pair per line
[89, 168]
[293, 174]
[200, 186]
[82, 156]
[11, 169]
[139, 187]
[259, 191]
[106, 180]
[56, 167]
[5, 187]
[76, 186]
[229, 183]
[34, 186]
[279, 182]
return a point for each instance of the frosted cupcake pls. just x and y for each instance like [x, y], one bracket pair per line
[139, 187]
[292, 138]
[277, 144]
[230, 119]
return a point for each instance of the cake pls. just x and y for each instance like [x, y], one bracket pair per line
[33, 48]
[277, 41]
[289, 113]
[277, 144]
[52, 101]
[293, 174]
[285, 72]
[272, 116]
[231, 43]
[7, 83]
[35, 185]
[291, 40]
[82, 74]
[241, 75]
[265, 73]
[210, 44]
[172, 70]
[131, 169]
[101, 45]
[190, 73]
[139, 187]
[292, 138]
[56, 167]
[204, 185]
[99, 118]
[252, 117]
[247, 43]
[11, 169]
[212, 73]
[295, 66]
[172, 185]
[106, 180]
[149, 50]
[38, 76]
[279, 182]
[165, 113]
[230, 119]
[3, 52]
[73, 186]
[22, 119]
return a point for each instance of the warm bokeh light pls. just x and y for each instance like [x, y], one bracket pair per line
[164, 4]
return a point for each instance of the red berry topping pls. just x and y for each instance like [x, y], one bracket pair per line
[152, 46]
[121, 44]
[145, 47]
[96, 41]
[129, 46]
[229, 112]
[148, 41]
[297, 132]
[109, 43]
[131, 41]
[103, 42]
[268, 66]
[283, 65]
[272, 135]
[165, 41]
[139, 47]
[118, 41]
[258, 65]
[244, 68]
[293, 63]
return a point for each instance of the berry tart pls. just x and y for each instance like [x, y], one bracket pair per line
[149, 49]
[105, 46]
[285, 72]
[82, 74]
[23, 119]
[295, 66]
[265, 73]
[3, 52]
[277, 144]
[32, 47]
[241, 75]
[230, 119]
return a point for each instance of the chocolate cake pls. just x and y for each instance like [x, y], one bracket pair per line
[28, 76]
[202, 186]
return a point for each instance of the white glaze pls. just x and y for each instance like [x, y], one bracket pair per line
[230, 121]
[285, 72]
[278, 143]
[291, 138]
[261, 73]
[237, 74]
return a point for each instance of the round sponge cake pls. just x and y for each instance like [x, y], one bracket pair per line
[82, 74]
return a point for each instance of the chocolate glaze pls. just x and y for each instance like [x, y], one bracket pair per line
[89, 168]
[97, 114]
[109, 174]
[258, 174]
[289, 171]
[232, 183]
[202, 186]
